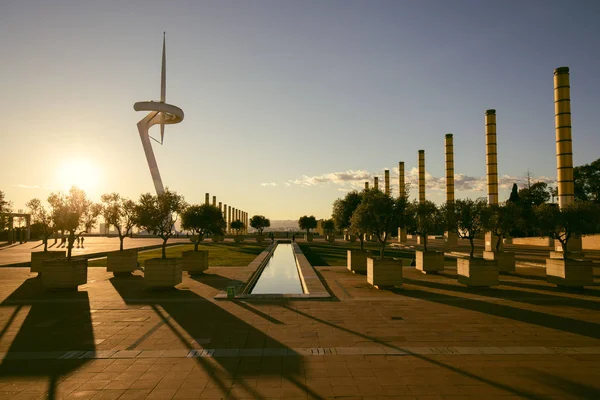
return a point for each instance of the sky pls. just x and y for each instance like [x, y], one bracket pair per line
[289, 104]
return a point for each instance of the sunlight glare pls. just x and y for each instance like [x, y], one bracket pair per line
[80, 172]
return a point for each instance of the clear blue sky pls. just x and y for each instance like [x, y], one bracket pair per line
[279, 96]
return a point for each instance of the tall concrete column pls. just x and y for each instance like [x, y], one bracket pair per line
[387, 182]
[224, 212]
[221, 207]
[564, 148]
[366, 185]
[420, 239]
[491, 170]
[206, 196]
[376, 183]
[215, 201]
[451, 237]
[421, 176]
[401, 193]
[229, 219]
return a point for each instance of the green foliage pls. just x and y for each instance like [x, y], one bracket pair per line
[328, 226]
[41, 218]
[203, 219]
[307, 223]
[502, 219]
[378, 214]
[74, 213]
[577, 219]
[157, 214]
[538, 193]
[119, 212]
[587, 182]
[237, 226]
[466, 219]
[260, 222]
[514, 194]
[5, 207]
[424, 219]
[344, 208]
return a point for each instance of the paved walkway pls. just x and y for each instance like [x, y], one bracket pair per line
[432, 339]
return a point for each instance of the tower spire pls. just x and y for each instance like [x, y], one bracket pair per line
[163, 87]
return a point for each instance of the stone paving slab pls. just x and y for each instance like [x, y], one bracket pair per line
[434, 338]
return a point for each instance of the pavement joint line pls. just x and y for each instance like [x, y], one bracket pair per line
[295, 352]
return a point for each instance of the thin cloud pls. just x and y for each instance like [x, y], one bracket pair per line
[22, 186]
[347, 180]
[267, 184]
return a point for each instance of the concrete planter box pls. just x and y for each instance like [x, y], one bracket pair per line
[122, 262]
[60, 274]
[260, 238]
[505, 260]
[238, 238]
[384, 273]
[350, 238]
[195, 262]
[429, 262]
[330, 238]
[38, 258]
[477, 272]
[162, 273]
[357, 260]
[569, 273]
[309, 237]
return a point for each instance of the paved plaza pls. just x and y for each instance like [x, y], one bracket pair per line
[432, 339]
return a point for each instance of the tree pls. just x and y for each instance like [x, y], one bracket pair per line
[344, 208]
[260, 222]
[237, 226]
[307, 223]
[514, 194]
[424, 219]
[41, 217]
[378, 214]
[500, 220]
[534, 195]
[587, 181]
[328, 226]
[203, 219]
[466, 219]
[577, 219]
[74, 213]
[5, 207]
[158, 213]
[119, 212]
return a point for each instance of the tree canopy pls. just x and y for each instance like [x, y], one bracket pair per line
[260, 222]
[119, 212]
[344, 208]
[237, 226]
[43, 218]
[577, 219]
[466, 219]
[501, 219]
[74, 213]
[203, 219]
[424, 219]
[157, 214]
[307, 223]
[587, 181]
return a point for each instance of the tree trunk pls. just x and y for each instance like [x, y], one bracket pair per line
[361, 237]
[196, 243]
[499, 242]
[45, 243]
[382, 249]
[472, 247]
[121, 239]
[70, 241]
[424, 242]
[164, 248]
[563, 245]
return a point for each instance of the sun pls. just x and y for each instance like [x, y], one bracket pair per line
[80, 172]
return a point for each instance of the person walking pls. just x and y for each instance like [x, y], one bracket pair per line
[82, 242]
[293, 237]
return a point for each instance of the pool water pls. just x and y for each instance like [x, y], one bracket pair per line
[280, 275]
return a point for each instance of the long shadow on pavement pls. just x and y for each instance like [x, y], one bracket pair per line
[537, 299]
[202, 318]
[55, 324]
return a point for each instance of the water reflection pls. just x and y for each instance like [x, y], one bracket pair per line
[280, 274]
